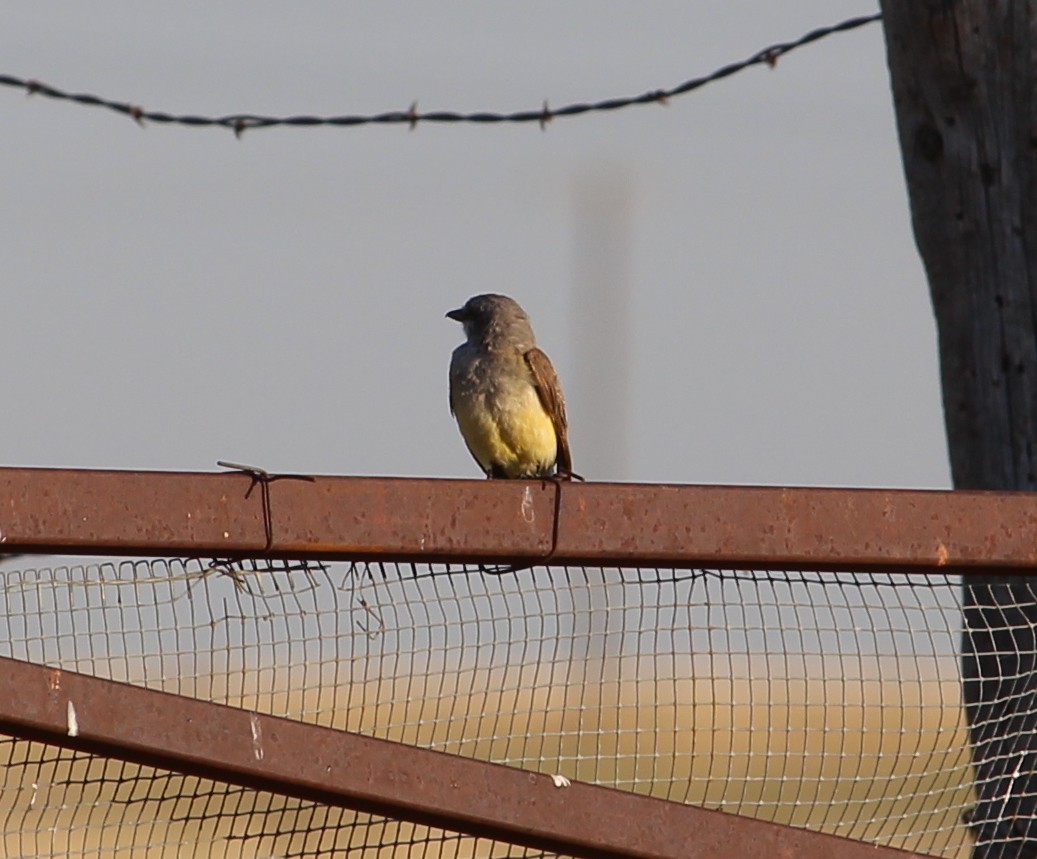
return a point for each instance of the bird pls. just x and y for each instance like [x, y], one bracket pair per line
[505, 393]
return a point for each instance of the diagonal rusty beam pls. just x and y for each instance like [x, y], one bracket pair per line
[311, 762]
[404, 519]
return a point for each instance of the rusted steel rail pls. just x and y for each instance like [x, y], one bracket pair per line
[310, 762]
[229, 514]
[232, 514]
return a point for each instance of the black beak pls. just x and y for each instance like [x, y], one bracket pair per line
[456, 315]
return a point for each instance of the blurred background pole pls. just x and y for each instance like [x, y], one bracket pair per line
[601, 320]
[599, 402]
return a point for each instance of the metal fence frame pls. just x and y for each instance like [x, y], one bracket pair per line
[229, 515]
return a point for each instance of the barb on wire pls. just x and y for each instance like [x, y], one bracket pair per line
[241, 122]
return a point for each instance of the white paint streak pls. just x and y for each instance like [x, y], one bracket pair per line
[257, 736]
[527, 506]
[71, 720]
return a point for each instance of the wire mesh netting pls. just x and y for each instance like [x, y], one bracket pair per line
[826, 700]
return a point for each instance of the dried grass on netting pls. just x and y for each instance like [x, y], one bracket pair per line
[827, 700]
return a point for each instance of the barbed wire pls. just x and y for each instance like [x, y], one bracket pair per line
[240, 122]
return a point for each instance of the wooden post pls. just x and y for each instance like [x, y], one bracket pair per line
[964, 79]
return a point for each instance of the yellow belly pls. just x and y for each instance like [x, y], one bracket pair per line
[512, 433]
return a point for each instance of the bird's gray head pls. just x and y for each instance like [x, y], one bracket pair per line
[494, 322]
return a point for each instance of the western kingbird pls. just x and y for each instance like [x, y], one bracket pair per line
[505, 394]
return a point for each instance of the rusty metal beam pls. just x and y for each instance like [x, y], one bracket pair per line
[227, 514]
[310, 762]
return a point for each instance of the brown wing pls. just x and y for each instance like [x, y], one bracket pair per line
[550, 392]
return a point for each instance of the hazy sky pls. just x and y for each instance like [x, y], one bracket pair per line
[174, 296]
